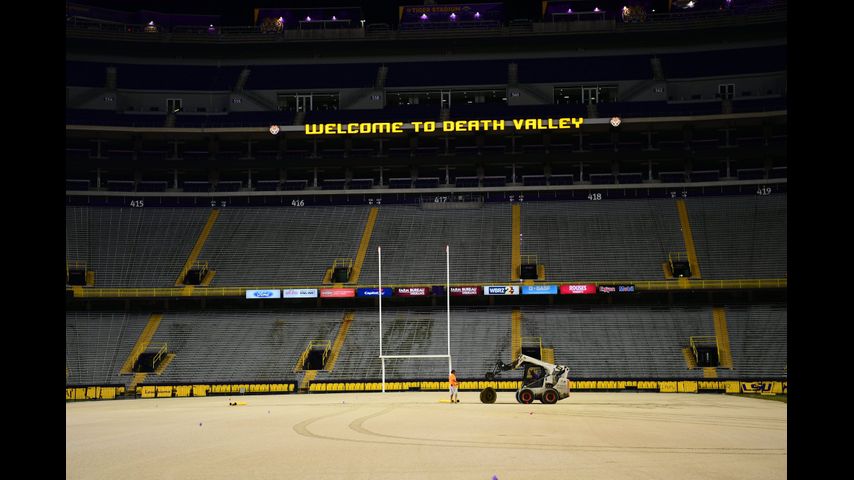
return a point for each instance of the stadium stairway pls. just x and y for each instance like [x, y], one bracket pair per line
[138, 348]
[339, 340]
[688, 237]
[363, 245]
[194, 254]
[516, 242]
[516, 334]
[722, 337]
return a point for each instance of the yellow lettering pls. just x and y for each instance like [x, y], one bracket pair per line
[552, 125]
[329, 128]
[397, 127]
[577, 123]
[473, 125]
[339, 129]
[383, 127]
[429, 126]
[417, 126]
[530, 124]
[364, 128]
[498, 124]
[352, 128]
[448, 126]
[564, 122]
[517, 123]
[313, 129]
[460, 125]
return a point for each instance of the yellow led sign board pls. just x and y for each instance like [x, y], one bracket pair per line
[446, 126]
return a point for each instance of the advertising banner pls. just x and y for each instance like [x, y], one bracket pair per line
[372, 292]
[465, 291]
[501, 290]
[412, 292]
[337, 292]
[583, 289]
[263, 294]
[299, 293]
[616, 289]
[539, 290]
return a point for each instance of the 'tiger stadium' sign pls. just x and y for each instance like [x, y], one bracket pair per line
[446, 126]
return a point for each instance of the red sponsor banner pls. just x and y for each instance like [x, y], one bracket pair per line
[465, 291]
[584, 289]
[337, 292]
[412, 292]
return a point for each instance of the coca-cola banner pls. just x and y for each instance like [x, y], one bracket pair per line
[583, 289]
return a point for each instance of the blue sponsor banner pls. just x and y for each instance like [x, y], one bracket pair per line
[263, 294]
[372, 292]
[539, 290]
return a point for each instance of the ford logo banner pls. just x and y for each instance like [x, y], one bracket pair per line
[263, 294]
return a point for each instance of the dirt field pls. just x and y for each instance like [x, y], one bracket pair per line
[416, 436]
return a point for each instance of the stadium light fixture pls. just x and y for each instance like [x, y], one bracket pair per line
[616, 121]
[274, 129]
[307, 18]
[596, 9]
[334, 18]
[423, 16]
[477, 15]
[453, 16]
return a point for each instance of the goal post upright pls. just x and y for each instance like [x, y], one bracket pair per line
[383, 357]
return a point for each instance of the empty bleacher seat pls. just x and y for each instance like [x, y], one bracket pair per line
[601, 178]
[672, 177]
[120, 185]
[267, 185]
[751, 173]
[76, 184]
[294, 184]
[562, 179]
[400, 182]
[630, 178]
[778, 172]
[530, 180]
[361, 183]
[467, 182]
[152, 186]
[705, 176]
[333, 184]
[229, 186]
[196, 186]
[494, 181]
[427, 182]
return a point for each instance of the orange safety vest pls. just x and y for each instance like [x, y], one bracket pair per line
[452, 379]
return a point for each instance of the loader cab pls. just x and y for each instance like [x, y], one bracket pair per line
[534, 376]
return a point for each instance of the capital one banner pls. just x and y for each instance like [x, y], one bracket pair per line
[582, 289]
[337, 292]
[372, 292]
[501, 290]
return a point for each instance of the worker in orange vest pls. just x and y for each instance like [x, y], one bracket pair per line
[455, 386]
